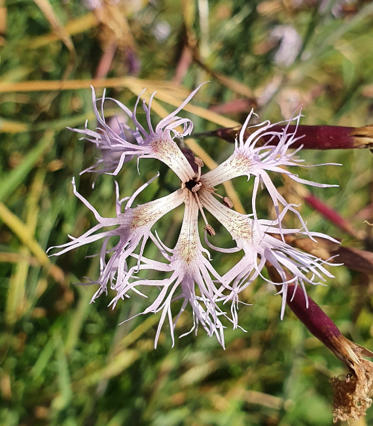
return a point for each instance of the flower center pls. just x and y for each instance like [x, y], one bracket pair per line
[193, 185]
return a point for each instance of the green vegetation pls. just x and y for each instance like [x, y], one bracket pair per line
[67, 362]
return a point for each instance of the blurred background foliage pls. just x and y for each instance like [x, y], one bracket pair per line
[66, 362]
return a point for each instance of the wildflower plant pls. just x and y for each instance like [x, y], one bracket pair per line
[187, 270]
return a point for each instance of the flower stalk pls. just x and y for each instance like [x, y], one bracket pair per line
[352, 393]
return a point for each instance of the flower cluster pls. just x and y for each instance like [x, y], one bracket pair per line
[186, 270]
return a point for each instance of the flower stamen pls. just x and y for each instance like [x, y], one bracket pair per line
[208, 227]
[199, 163]
[226, 200]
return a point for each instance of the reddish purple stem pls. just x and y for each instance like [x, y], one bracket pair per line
[312, 137]
[313, 317]
[323, 137]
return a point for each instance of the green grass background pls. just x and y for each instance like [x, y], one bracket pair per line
[67, 362]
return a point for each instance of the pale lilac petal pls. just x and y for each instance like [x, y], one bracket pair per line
[259, 246]
[133, 227]
[119, 146]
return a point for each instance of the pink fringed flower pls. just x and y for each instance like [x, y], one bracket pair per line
[187, 270]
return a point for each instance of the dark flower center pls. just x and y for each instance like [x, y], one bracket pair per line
[193, 185]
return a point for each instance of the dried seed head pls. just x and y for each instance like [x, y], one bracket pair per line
[353, 393]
